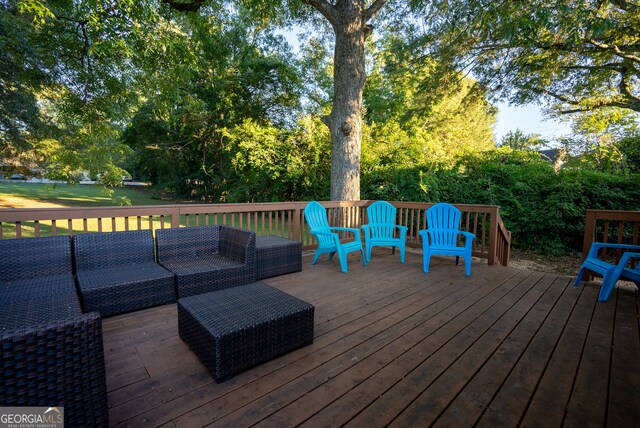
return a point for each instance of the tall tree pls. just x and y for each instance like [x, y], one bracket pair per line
[350, 20]
[351, 24]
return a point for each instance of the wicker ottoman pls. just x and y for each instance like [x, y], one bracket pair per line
[236, 328]
[277, 256]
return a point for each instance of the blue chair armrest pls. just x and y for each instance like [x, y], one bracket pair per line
[596, 246]
[318, 233]
[355, 231]
[633, 274]
[367, 232]
[367, 228]
[347, 229]
[424, 233]
[468, 238]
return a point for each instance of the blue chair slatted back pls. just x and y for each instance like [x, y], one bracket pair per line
[316, 216]
[443, 221]
[382, 219]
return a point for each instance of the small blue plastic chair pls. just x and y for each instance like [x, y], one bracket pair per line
[441, 236]
[328, 240]
[611, 273]
[381, 229]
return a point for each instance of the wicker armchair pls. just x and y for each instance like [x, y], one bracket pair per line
[207, 258]
[50, 353]
[116, 272]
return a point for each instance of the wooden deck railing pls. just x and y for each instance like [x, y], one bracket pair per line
[281, 218]
[620, 227]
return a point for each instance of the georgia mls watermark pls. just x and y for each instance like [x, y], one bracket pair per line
[31, 417]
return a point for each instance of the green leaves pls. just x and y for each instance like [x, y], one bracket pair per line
[36, 9]
[578, 56]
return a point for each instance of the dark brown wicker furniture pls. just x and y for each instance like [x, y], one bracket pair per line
[236, 328]
[277, 256]
[116, 272]
[50, 353]
[207, 258]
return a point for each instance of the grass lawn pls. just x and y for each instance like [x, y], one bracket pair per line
[35, 195]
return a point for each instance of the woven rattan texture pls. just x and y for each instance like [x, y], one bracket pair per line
[50, 353]
[57, 364]
[187, 242]
[34, 257]
[22, 312]
[277, 256]
[202, 265]
[44, 287]
[237, 328]
[104, 250]
[123, 289]
[116, 272]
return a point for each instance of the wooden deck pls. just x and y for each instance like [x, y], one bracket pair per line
[393, 346]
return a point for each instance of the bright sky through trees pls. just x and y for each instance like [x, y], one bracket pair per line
[528, 119]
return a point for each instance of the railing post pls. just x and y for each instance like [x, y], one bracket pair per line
[175, 215]
[493, 236]
[507, 252]
[589, 232]
[296, 227]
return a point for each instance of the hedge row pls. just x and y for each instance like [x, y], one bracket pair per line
[543, 208]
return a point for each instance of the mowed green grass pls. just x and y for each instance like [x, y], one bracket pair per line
[34, 195]
[37, 195]
[72, 195]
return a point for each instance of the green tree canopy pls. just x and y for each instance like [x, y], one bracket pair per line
[578, 55]
[518, 140]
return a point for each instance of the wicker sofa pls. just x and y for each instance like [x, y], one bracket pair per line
[51, 354]
[207, 258]
[117, 272]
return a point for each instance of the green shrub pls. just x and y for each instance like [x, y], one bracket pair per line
[544, 210]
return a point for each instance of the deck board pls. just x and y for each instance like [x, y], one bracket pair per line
[394, 346]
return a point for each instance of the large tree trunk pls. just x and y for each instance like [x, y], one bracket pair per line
[345, 120]
[349, 20]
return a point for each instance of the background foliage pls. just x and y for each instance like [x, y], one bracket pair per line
[543, 209]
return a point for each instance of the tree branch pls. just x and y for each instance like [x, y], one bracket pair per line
[626, 6]
[373, 9]
[625, 88]
[629, 103]
[609, 66]
[614, 49]
[324, 7]
[192, 6]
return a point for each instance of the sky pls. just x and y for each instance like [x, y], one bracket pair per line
[528, 119]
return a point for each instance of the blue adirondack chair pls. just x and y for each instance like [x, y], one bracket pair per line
[611, 273]
[380, 231]
[441, 236]
[328, 239]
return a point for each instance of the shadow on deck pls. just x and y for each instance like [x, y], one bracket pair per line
[393, 346]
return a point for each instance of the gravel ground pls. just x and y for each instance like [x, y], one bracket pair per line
[565, 265]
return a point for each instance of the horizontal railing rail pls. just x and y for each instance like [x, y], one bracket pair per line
[284, 219]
